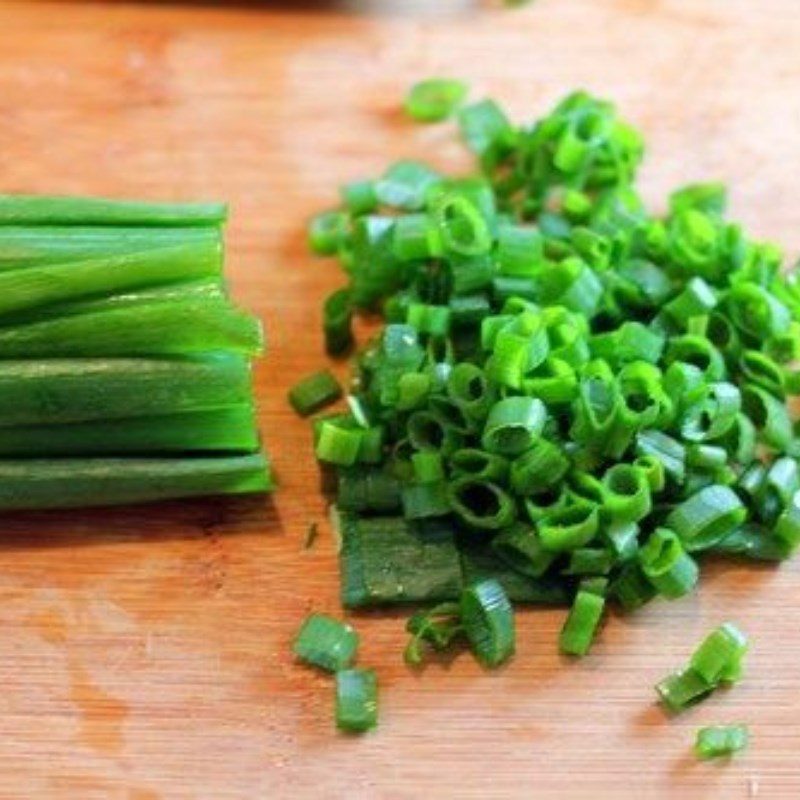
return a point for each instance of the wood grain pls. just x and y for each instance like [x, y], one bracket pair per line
[144, 653]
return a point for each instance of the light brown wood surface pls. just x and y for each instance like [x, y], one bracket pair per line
[145, 653]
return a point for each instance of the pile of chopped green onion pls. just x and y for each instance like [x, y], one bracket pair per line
[571, 396]
[124, 366]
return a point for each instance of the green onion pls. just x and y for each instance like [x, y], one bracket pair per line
[231, 429]
[337, 314]
[326, 643]
[434, 99]
[720, 655]
[76, 482]
[79, 390]
[438, 627]
[682, 689]
[581, 626]
[569, 393]
[356, 700]
[314, 392]
[721, 740]
[513, 425]
[667, 566]
[707, 517]
[717, 660]
[46, 245]
[327, 232]
[50, 283]
[48, 210]
[170, 327]
[488, 621]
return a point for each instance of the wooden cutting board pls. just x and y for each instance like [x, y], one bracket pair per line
[144, 653]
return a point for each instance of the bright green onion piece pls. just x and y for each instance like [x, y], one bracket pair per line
[327, 232]
[569, 528]
[626, 493]
[43, 245]
[671, 570]
[434, 99]
[405, 185]
[539, 469]
[224, 430]
[356, 700]
[581, 625]
[682, 689]
[707, 517]
[171, 327]
[590, 561]
[479, 464]
[488, 620]
[79, 390]
[314, 392]
[360, 197]
[338, 444]
[438, 627]
[513, 425]
[670, 452]
[486, 129]
[416, 238]
[631, 588]
[714, 415]
[77, 482]
[326, 643]
[721, 740]
[468, 387]
[769, 415]
[653, 469]
[462, 228]
[787, 527]
[481, 504]
[51, 210]
[34, 287]
[720, 655]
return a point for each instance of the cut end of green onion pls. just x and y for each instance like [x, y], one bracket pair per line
[435, 99]
[326, 642]
[314, 392]
[356, 700]
[488, 620]
[720, 741]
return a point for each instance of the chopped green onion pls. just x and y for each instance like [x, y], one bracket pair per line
[356, 700]
[667, 566]
[721, 740]
[580, 628]
[76, 482]
[707, 517]
[682, 689]
[49, 210]
[719, 656]
[326, 643]
[488, 621]
[434, 99]
[314, 392]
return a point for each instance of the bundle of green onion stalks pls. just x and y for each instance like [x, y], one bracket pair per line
[572, 396]
[124, 366]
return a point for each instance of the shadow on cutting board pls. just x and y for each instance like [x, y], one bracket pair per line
[173, 520]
